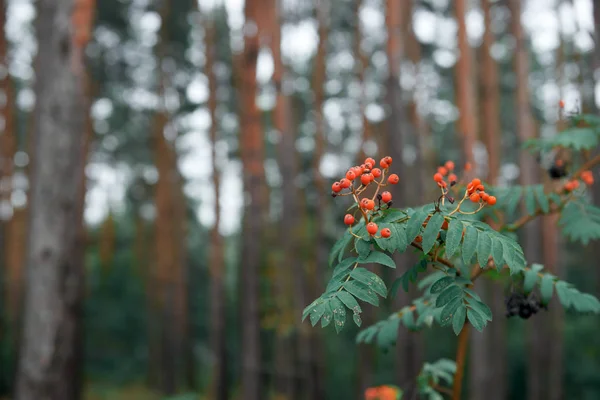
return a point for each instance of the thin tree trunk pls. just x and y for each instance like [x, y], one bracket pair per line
[488, 349]
[219, 389]
[50, 344]
[320, 251]
[252, 149]
[529, 174]
[465, 95]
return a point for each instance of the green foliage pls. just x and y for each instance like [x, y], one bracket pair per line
[433, 375]
[567, 294]
[534, 198]
[580, 221]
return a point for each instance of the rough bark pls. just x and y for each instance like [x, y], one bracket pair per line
[219, 389]
[488, 349]
[50, 343]
[529, 174]
[252, 152]
[465, 98]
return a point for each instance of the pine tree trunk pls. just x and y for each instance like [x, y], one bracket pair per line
[529, 174]
[317, 366]
[219, 388]
[252, 151]
[50, 344]
[488, 349]
[465, 95]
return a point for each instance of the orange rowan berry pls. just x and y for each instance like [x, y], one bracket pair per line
[491, 200]
[468, 166]
[438, 177]
[372, 228]
[559, 163]
[442, 184]
[350, 175]
[348, 219]
[449, 165]
[470, 188]
[365, 179]
[393, 179]
[481, 188]
[452, 178]
[370, 162]
[476, 182]
[388, 160]
[376, 172]
[345, 183]
[383, 163]
[445, 225]
[475, 197]
[364, 168]
[575, 184]
[419, 239]
[370, 204]
[386, 197]
[484, 196]
[587, 177]
[386, 233]
[561, 103]
[443, 171]
[336, 187]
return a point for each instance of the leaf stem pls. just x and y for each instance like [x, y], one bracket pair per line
[348, 278]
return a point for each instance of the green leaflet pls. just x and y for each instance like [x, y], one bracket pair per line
[580, 221]
[475, 319]
[363, 247]
[447, 295]
[458, 320]
[413, 228]
[530, 200]
[480, 307]
[542, 198]
[431, 231]
[396, 242]
[484, 249]
[370, 280]
[546, 288]
[449, 310]
[349, 301]
[531, 278]
[327, 314]
[337, 251]
[391, 216]
[378, 258]
[441, 284]
[453, 237]
[362, 292]
[469, 244]
[339, 314]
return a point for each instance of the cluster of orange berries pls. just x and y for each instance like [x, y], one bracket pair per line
[382, 393]
[443, 172]
[366, 173]
[477, 194]
[586, 176]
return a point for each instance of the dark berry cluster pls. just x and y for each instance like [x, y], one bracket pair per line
[522, 305]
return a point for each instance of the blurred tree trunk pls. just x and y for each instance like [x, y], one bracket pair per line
[8, 148]
[169, 237]
[529, 174]
[408, 361]
[219, 388]
[317, 367]
[252, 153]
[50, 347]
[488, 349]
[465, 94]
[290, 374]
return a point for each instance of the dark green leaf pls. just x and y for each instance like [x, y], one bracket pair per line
[458, 320]
[342, 270]
[363, 248]
[349, 301]
[447, 295]
[531, 278]
[454, 236]
[415, 224]
[327, 314]
[475, 319]
[357, 319]
[441, 284]
[542, 198]
[449, 310]
[431, 231]
[362, 292]
[378, 258]
[370, 280]
[546, 288]
[339, 314]
[337, 251]
[497, 254]
[392, 216]
[480, 307]
[530, 200]
[484, 249]
[469, 244]
[408, 319]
